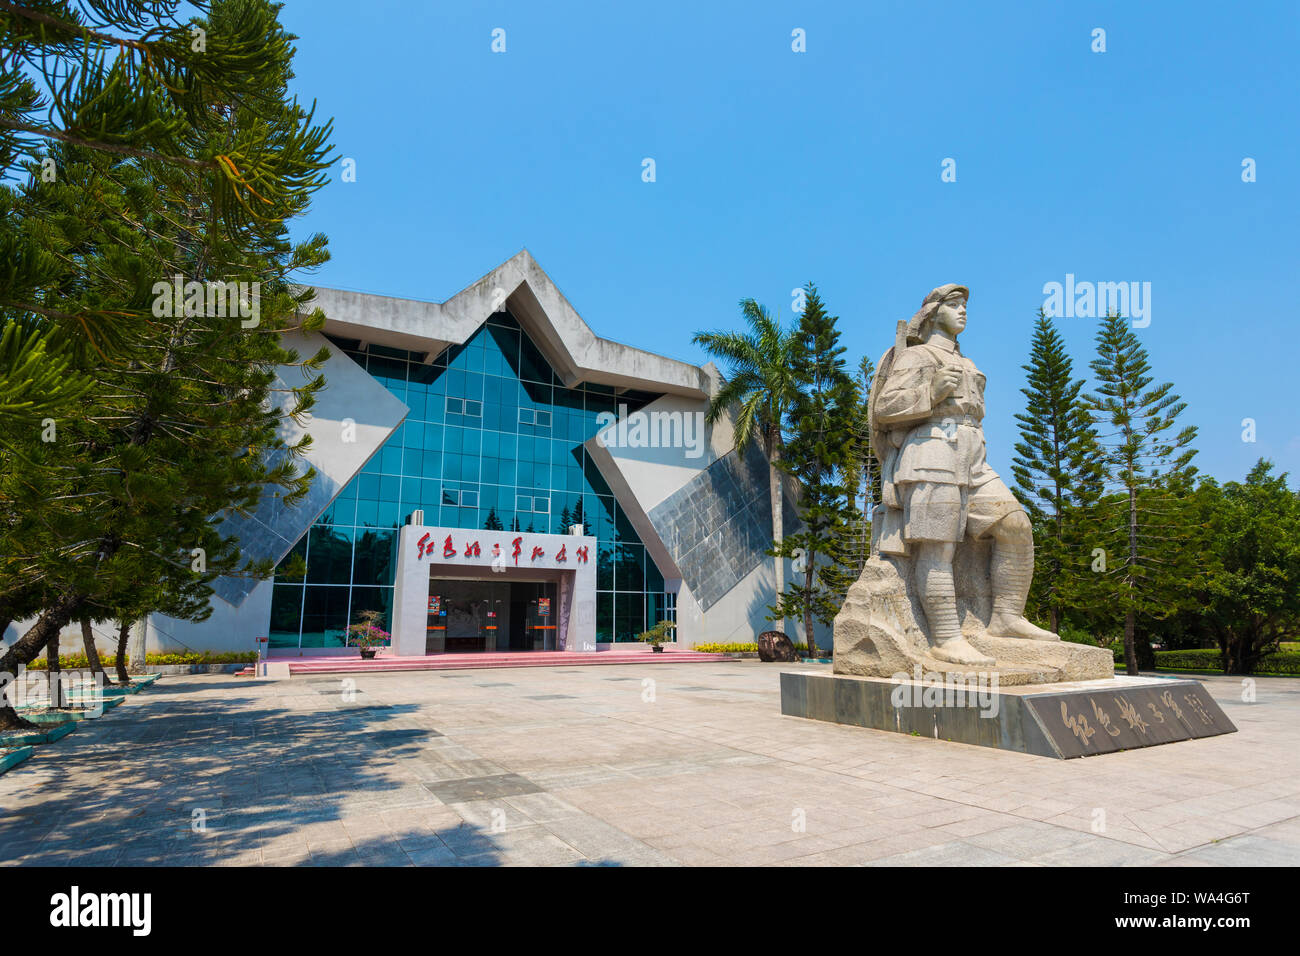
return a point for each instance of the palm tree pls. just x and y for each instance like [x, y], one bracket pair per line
[760, 382]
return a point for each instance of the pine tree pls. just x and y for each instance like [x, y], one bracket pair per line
[1058, 474]
[862, 475]
[1148, 473]
[128, 79]
[114, 517]
[822, 421]
[864, 453]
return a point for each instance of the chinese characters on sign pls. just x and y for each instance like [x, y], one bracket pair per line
[1078, 725]
[474, 549]
[1130, 713]
[1152, 714]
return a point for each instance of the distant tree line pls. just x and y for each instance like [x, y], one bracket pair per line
[1130, 540]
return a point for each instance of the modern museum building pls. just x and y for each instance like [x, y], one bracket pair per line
[494, 476]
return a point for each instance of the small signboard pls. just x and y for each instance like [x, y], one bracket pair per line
[435, 603]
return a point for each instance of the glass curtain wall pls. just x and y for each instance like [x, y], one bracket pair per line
[493, 441]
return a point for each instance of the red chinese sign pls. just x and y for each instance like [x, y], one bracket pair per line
[473, 549]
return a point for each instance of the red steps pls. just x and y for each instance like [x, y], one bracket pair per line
[438, 662]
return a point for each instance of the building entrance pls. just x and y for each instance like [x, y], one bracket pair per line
[468, 616]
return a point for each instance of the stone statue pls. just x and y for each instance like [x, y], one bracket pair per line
[952, 553]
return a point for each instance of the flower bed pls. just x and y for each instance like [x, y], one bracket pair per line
[744, 649]
[73, 662]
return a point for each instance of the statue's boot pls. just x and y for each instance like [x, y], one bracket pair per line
[1006, 625]
[939, 598]
[957, 650]
[1011, 571]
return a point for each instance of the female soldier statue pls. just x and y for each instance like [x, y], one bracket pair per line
[927, 409]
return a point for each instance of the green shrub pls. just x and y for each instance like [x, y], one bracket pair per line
[740, 648]
[1077, 635]
[727, 648]
[658, 634]
[1208, 659]
[73, 662]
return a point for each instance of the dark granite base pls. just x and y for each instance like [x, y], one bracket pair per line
[1051, 720]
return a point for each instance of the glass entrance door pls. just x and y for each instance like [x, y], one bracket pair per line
[491, 615]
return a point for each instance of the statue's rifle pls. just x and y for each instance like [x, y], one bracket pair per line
[881, 444]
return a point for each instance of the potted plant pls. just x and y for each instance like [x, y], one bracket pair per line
[657, 635]
[367, 634]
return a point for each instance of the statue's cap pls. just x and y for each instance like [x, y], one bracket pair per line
[928, 306]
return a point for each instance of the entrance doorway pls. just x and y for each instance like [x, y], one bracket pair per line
[471, 616]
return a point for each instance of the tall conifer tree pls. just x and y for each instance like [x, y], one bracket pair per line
[1058, 474]
[818, 454]
[1148, 466]
[862, 478]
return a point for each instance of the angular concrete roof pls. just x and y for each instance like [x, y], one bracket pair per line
[577, 354]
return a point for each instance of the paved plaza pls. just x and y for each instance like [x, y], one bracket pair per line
[633, 765]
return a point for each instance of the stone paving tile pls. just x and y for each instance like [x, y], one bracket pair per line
[433, 855]
[583, 769]
[1103, 852]
[957, 853]
[468, 789]
[1028, 841]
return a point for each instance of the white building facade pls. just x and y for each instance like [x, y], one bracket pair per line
[492, 476]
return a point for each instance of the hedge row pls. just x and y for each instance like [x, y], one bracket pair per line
[1282, 662]
[739, 648]
[74, 662]
[1208, 659]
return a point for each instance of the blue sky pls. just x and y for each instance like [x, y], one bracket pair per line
[775, 167]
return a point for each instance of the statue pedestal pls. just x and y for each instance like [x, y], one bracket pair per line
[1064, 719]
[1050, 698]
